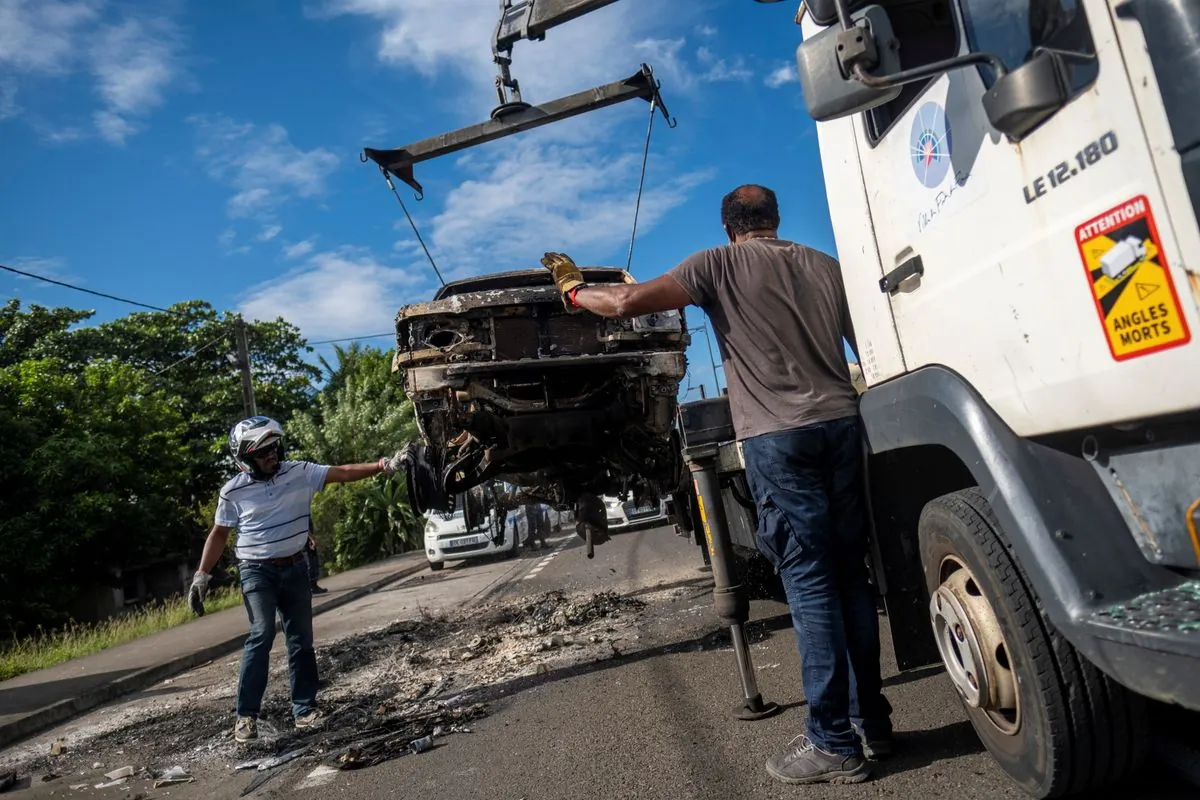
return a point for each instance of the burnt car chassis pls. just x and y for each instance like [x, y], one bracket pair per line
[508, 386]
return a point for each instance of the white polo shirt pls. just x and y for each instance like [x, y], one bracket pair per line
[271, 516]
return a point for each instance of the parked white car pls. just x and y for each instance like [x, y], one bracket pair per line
[623, 514]
[447, 539]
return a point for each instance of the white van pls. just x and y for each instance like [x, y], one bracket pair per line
[447, 539]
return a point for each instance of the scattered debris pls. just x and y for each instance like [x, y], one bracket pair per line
[77, 786]
[272, 763]
[172, 776]
[383, 690]
[56, 747]
[421, 745]
[123, 772]
[110, 784]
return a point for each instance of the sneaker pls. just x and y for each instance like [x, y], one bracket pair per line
[309, 719]
[804, 762]
[318, 589]
[246, 729]
[875, 749]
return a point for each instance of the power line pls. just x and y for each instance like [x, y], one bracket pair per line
[169, 311]
[195, 353]
[81, 289]
[354, 338]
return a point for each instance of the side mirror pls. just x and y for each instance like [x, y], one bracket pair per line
[1023, 99]
[830, 91]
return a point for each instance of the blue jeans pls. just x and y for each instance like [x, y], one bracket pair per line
[812, 527]
[266, 589]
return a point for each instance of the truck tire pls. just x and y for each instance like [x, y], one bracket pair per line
[1064, 727]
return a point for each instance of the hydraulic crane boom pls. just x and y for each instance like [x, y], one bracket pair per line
[530, 19]
[522, 19]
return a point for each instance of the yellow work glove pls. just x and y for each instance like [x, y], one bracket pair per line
[567, 276]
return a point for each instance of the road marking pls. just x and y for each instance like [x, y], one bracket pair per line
[562, 545]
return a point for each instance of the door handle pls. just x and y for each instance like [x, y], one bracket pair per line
[904, 278]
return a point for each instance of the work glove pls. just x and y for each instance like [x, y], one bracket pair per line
[567, 277]
[198, 592]
[399, 461]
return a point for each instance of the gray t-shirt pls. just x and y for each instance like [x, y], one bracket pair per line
[779, 313]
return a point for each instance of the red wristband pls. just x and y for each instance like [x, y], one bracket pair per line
[571, 296]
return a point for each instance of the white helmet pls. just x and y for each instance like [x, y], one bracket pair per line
[252, 437]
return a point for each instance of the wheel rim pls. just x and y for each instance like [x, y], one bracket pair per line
[972, 647]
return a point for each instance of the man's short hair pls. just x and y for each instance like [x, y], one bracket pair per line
[750, 208]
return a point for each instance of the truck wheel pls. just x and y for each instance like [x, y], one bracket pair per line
[1053, 722]
[434, 566]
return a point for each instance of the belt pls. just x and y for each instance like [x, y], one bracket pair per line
[279, 562]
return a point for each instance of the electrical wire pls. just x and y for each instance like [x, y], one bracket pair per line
[353, 338]
[195, 353]
[169, 311]
[413, 224]
[81, 289]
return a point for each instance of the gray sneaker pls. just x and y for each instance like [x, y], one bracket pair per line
[804, 762]
[875, 749]
[246, 729]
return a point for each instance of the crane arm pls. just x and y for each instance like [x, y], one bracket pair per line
[530, 19]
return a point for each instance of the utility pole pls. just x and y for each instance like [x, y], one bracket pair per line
[243, 354]
[703, 396]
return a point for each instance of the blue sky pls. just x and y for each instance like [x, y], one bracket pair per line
[175, 150]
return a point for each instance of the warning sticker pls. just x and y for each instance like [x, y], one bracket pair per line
[1131, 281]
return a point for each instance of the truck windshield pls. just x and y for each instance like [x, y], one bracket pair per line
[1013, 29]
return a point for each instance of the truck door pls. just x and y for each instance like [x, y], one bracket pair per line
[1044, 272]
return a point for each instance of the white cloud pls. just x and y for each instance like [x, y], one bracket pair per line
[41, 36]
[343, 292]
[261, 164]
[785, 74]
[131, 59]
[453, 38]
[54, 267]
[539, 197]
[8, 99]
[269, 232]
[227, 240]
[133, 62]
[299, 249]
[706, 30]
[680, 74]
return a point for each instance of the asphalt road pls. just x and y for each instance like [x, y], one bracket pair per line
[654, 722]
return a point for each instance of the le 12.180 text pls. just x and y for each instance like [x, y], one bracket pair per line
[1065, 170]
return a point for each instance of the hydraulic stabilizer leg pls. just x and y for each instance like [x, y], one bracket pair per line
[730, 598]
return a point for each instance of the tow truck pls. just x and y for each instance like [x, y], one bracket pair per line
[1014, 190]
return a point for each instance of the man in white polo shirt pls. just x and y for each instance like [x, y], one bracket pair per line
[268, 503]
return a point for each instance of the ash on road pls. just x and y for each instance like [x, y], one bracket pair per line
[549, 677]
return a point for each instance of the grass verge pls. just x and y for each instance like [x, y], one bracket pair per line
[50, 648]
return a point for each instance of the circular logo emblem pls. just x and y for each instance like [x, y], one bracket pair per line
[929, 145]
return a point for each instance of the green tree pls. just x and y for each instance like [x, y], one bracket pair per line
[114, 440]
[360, 414]
[190, 354]
[92, 476]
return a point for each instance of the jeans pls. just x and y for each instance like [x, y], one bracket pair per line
[266, 589]
[812, 527]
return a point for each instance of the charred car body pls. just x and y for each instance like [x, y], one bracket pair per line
[508, 385]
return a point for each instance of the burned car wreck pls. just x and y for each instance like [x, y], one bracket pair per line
[508, 386]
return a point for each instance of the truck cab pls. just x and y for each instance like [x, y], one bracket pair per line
[1014, 190]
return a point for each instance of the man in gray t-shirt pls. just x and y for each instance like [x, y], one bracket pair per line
[780, 315]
